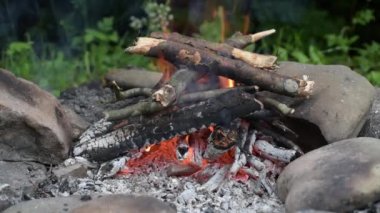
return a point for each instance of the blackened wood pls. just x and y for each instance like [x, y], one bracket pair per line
[149, 106]
[280, 139]
[220, 110]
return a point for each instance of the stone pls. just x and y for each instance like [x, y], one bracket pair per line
[75, 170]
[78, 124]
[372, 126]
[340, 101]
[94, 203]
[33, 125]
[18, 180]
[133, 78]
[339, 177]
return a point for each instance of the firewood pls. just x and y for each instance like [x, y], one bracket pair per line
[254, 59]
[149, 106]
[281, 107]
[287, 143]
[206, 61]
[171, 91]
[135, 92]
[217, 179]
[240, 41]
[149, 130]
[267, 150]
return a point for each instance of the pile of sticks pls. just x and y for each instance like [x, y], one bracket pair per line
[246, 117]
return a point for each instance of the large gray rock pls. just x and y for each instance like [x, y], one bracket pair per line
[372, 126]
[340, 101]
[18, 180]
[33, 125]
[339, 177]
[94, 204]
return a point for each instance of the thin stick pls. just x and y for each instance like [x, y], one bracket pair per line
[135, 92]
[240, 41]
[282, 108]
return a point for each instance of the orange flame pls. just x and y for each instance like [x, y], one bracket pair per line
[226, 82]
[165, 67]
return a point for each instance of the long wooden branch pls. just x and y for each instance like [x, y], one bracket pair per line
[149, 106]
[207, 61]
[254, 59]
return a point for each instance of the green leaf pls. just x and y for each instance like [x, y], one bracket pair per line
[363, 17]
[300, 56]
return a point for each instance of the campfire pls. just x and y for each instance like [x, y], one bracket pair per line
[215, 115]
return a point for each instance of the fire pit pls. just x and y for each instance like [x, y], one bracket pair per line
[194, 141]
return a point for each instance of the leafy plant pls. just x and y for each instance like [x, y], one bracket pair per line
[99, 49]
[158, 17]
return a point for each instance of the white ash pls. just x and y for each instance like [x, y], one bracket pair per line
[184, 192]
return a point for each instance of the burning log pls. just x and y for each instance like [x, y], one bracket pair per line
[240, 41]
[220, 110]
[254, 59]
[149, 106]
[206, 61]
[182, 170]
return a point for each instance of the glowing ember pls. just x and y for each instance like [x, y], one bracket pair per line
[226, 82]
[165, 67]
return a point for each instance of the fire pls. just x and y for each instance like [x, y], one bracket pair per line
[165, 153]
[226, 82]
[165, 67]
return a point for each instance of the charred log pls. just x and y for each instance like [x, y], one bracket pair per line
[220, 110]
[149, 106]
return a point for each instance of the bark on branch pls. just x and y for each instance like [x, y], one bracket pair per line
[254, 59]
[207, 61]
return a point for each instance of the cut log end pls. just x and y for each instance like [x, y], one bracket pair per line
[306, 87]
[143, 45]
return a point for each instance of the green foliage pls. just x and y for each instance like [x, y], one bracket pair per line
[333, 48]
[363, 17]
[158, 17]
[99, 49]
